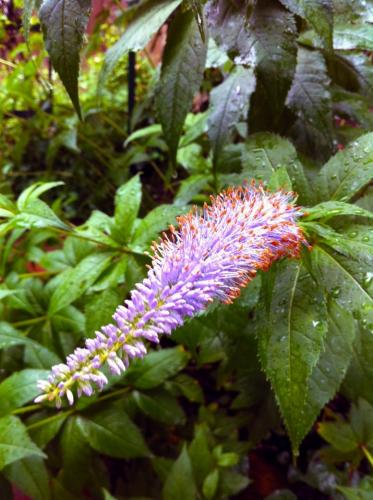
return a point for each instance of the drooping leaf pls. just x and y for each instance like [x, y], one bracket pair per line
[127, 205]
[229, 101]
[309, 98]
[182, 71]
[75, 281]
[348, 171]
[271, 39]
[148, 18]
[64, 23]
[180, 481]
[291, 339]
[19, 388]
[111, 431]
[14, 441]
[31, 476]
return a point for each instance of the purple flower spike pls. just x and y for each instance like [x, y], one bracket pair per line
[212, 255]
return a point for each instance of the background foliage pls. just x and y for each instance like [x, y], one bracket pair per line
[277, 91]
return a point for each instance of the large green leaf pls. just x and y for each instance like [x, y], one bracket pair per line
[309, 98]
[264, 153]
[348, 171]
[74, 282]
[182, 71]
[180, 481]
[64, 23]
[14, 441]
[331, 367]
[31, 476]
[291, 338]
[100, 308]
[229, 101]
[19, 388]
[147, 19]
[127, 206]
[160, 406]
[110, 431]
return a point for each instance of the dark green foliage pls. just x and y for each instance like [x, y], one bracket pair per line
[275, 91]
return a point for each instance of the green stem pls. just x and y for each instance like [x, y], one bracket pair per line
[46, 420]
[368, 455]
[25, 409]
[29, 321]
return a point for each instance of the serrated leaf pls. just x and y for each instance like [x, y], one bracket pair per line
[309, 98]
[30, 475]
[180, 481]
[291, 339]
[157, 367]
[348, 171]
[148, 18]
[229, 101]
[64, 23]
[110, 431]
[332, 365]
[127, 206]
[19, 388]
[183, 64]
[14, 441]
[264, 153]
[75, 281]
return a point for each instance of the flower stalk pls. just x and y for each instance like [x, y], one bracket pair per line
[214, 252]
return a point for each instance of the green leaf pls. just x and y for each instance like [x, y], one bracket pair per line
[361, 492]
[264, 153]
[110, 431]
[318, 13]
[156, 367]
[74, 282]
[99, 309]
[160, 406]
[28, 8]
[153, 223]
[148, 18]
[180, 481]
[271, 41]
[210, 484]
[14, 441]
[42, 430]
[292, 329]
[64, 23]
[30, 475]
[309, 98]
[348, 171]
[183, 64]
[329, 209]
[353, 36]
[127, 206]
[332, 365]
[76, 454]
[19, 388]
[201, 457]
[34, 191]
[229, 101]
